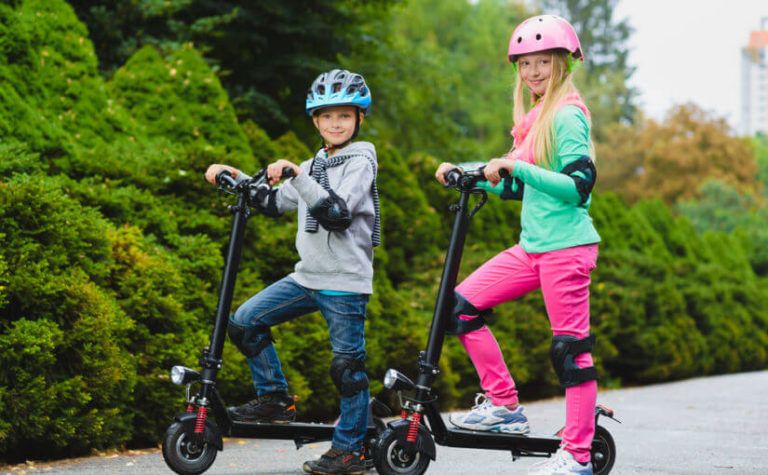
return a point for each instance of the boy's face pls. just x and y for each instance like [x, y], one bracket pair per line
[336, 124]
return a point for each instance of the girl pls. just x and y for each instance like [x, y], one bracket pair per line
[552, 163]
[336, 198]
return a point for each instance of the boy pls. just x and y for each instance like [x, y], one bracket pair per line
[337, 202]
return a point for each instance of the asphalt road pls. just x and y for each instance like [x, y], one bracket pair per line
[715, 425]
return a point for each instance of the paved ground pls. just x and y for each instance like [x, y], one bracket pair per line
[713, 425]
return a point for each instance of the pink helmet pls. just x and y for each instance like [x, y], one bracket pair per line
[541, 33]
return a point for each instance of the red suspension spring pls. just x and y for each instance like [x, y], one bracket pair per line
[202, 413]
[413, 429]
[403, 414]
[190, 408]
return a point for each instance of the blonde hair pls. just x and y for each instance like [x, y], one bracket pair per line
[560, 85]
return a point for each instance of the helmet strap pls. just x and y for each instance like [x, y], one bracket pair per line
[573, 63]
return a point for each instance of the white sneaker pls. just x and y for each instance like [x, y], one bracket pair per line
[562, 463]
[487, 417]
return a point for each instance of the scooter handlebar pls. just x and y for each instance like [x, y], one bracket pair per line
[287, 173]
[452, 176]
[224, 178]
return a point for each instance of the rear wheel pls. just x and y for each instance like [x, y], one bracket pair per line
[603, 451]
[391, 458]
[184, 454]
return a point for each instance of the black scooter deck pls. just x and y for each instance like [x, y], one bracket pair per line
[305, 432]
[500, 441]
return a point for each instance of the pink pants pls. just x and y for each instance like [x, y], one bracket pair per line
[563, 277]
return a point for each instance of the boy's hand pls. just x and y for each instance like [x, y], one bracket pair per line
[275, 170]
[491, 170]
[442, 170]
[215, 169]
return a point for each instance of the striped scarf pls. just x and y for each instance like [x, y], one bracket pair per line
[319, 173]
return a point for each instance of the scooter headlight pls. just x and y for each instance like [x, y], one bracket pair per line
[182, 375]
[397, 381]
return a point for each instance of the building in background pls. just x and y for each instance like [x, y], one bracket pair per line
[754, 82]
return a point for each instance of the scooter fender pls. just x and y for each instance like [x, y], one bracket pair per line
[211, 434]
[424, 442]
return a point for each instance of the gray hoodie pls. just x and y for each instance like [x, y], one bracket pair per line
[335, 260]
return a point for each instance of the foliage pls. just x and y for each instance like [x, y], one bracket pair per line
[66, 373]
[670, 160]
[265, 50]
[430, 66]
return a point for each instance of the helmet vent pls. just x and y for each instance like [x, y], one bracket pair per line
[519, 39]
[336, 87]
[321, 89]
[351, 89]
[538, 36]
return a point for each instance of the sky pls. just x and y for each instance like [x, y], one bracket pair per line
[690, 51]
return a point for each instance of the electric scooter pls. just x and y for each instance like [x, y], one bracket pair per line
[192, 441]
[407, 446]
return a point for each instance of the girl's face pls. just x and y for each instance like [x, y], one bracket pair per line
[336, 124]
[535, 69]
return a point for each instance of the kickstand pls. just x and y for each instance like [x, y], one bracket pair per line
[302, 441]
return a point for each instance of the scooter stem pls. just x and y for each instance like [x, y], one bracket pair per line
[239, 219]
[445, 295]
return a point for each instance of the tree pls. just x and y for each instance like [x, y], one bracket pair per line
[670, 160]
[266, 52]
[440, 77]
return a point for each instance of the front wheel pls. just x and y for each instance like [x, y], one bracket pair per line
[603, 451]
[183, 454]
[391, 458]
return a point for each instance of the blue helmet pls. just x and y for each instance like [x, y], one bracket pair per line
[338, 87]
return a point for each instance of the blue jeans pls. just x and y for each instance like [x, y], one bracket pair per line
[345, 314]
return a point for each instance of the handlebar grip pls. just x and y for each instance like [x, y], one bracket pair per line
[225, 178]
[452, 177]
[287, 173]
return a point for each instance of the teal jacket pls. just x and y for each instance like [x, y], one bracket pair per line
[555, 215]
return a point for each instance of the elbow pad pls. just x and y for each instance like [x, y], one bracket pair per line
[584, 174]
[332, 213]
[512, 188]
[270, 209]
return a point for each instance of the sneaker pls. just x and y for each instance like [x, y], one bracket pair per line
[337, 461]
[273, 407]
[487, 417]
[562, 463]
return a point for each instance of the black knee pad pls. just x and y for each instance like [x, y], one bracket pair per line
[342, 369]
[563, 351]
[249, 340]
[457, 326]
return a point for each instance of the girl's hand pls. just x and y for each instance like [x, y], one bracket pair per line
[215, 169]
[275, 170]
[491, 170]
[442, 170]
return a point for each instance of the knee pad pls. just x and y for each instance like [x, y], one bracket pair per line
[249, 340]
[342, 369]
[563, 352]
[457, 326]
